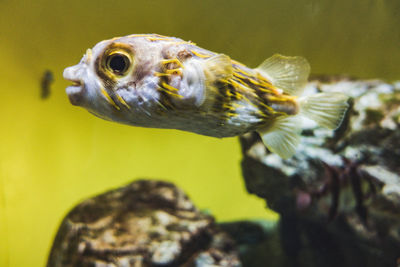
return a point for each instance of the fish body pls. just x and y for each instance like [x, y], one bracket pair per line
[156, 81]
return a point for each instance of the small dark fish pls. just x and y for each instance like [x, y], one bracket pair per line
[45, 84]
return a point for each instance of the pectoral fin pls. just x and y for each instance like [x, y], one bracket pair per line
[218, 67]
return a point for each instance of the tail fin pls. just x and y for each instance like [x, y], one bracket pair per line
[326, 109]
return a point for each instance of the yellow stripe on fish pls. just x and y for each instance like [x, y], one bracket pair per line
[109, 99]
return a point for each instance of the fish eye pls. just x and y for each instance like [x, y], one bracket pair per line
[118, 63]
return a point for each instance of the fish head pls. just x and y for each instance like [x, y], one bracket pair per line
[114, 80]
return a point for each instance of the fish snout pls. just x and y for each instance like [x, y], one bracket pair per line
[76, 90]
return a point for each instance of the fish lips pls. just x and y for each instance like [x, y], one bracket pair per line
[75, 94]
[76, 91]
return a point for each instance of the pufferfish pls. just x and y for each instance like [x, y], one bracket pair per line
[156, 81]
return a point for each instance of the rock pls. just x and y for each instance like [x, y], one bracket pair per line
[339, 195]
[258, 242]
[146, 223]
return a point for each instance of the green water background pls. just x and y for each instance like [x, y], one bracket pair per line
[53, 155]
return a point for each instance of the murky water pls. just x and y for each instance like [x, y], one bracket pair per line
[54, 154]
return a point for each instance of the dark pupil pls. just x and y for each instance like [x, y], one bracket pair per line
[118, 63]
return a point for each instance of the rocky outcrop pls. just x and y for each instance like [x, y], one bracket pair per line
[146, 223]
[339, 195]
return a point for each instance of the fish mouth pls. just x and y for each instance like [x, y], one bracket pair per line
[75, 92]
[76, 83]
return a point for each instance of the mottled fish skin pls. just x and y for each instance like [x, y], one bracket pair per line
[157, 81]
[166, 88]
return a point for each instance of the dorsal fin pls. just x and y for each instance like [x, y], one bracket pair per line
[287, 73]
